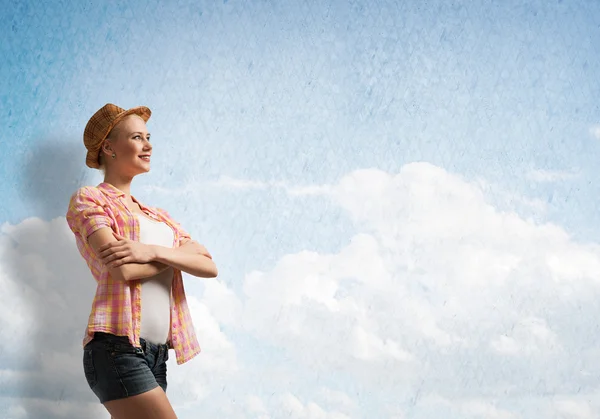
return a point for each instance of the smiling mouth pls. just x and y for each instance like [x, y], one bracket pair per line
[145, 158]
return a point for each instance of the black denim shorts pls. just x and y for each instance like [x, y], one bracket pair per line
[115, 369]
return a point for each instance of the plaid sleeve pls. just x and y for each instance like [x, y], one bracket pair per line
[86, 213]
[183, 234]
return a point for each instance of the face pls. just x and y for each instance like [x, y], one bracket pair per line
[129, 140]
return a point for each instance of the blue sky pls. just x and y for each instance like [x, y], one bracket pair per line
[253, 101]
[320, 90]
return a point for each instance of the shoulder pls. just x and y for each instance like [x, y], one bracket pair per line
[84, 197]
[161, 211]
[89, 192]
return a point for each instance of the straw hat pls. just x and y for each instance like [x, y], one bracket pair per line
[99, 126]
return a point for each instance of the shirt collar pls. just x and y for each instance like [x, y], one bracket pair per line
[111, 190]
[114, 192]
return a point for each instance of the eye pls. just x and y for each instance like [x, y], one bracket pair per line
[139, 137]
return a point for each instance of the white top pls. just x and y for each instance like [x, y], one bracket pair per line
[156, 290]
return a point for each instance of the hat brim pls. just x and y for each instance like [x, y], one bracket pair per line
[92, 158]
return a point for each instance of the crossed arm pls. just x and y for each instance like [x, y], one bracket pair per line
[128, 260]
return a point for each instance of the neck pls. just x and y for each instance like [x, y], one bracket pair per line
[121, 183]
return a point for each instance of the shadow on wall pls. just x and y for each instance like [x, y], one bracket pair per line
[53, 288]
[52, 172]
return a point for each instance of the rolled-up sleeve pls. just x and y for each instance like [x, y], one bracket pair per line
[86, 213]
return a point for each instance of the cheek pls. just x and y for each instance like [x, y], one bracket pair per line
[131, 150]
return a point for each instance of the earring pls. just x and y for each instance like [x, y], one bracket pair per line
[114, 155]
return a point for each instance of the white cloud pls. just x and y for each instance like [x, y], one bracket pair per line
[595, 131]
[528, 336]
[48, 292]
[440, 287]
[195, 380]
[482, 409]
[338, 400]
[468, 408]
[574, 409]
[541, 175]
[438, 296]
[16, 412]
[234, 184]
[221, 302]
[37, 408]
[289, 406]
[47, 295]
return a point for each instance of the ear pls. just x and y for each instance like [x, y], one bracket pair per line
[107, 147]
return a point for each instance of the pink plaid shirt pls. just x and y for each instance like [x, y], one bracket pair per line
[116, 307]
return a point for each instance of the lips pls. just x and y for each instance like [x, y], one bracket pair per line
[145, 157]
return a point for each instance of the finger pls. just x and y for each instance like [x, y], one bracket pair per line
[106, 252]
[119, 262]
[109, 259]
[118, 236]
[111, 245]
[114, 256]
[107, 246]
[117, 255]
[111, 251]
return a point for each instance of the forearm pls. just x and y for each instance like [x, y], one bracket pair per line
[186, 260]
[132, 271]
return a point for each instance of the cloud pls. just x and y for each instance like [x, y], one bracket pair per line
[470, 408]
[595, 131]
[528, 336]
[47, 294]
[218, 360]
[338, 400]
[549, 176]
[478, 408]
[235, 184]
[439, 301]
[290, 406]
[285, 405]
[35, 408]
[438, 291]
[574, 409]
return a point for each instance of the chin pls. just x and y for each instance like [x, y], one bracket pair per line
[144, 168]
[140, 170]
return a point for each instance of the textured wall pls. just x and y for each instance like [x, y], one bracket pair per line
[401, 198]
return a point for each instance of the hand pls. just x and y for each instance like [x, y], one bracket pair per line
[124, 251]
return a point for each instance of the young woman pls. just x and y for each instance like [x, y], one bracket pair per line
[136, 253]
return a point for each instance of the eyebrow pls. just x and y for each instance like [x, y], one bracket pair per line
[139, 132]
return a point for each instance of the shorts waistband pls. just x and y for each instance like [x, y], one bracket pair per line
[154, 347]
[146, 346]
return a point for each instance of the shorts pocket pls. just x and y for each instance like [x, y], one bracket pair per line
[88, 368]
[125, 358]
